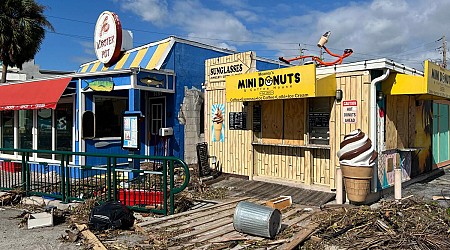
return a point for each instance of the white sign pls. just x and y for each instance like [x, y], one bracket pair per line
[349, 109]
[108, 37]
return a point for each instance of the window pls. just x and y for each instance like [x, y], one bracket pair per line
[108, 114]
[25, 129]
[319, 120]
[7, 130]
[157, 115]
[63, 125]
[44, 130]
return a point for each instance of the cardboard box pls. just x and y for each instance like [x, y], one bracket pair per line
[280, 203]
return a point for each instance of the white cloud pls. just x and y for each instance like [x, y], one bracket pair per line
[401, 30]
[154, 11]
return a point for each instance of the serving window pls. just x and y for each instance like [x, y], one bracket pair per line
[282, 121]
[296, 122]
[108, 115]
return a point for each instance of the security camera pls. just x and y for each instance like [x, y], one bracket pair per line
[324, 39]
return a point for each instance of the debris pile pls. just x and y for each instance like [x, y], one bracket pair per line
[407, 224]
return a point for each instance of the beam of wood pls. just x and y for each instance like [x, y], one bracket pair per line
[440, 197]
[209, 219]
[180, 221]
[300, 237]
[215, 233]
[91, 238]
[208, 228]
[158, 220]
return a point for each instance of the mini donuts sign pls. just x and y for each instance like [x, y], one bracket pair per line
[108, 37]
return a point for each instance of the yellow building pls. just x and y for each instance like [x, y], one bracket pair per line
[287, 124]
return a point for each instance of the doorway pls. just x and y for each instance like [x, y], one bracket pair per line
[156, 119]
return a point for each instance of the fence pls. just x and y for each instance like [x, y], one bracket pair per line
[151, 188]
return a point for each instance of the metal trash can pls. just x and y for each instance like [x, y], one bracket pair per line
[257, 220]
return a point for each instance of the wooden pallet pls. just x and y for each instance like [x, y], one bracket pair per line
[212, 227]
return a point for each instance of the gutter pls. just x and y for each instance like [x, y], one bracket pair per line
[373, 122]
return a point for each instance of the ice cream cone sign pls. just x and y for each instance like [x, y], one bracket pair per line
[217, 127]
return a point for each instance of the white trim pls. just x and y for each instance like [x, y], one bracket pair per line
[382, 63]
[54, 134]
[155, 89]
[16, 131]
[34, 133]
[165, 54]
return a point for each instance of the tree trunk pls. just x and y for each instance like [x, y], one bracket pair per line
[4, 72]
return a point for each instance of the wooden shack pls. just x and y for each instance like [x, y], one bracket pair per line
[291, 120]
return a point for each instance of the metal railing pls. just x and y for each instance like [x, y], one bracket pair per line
[150, 190]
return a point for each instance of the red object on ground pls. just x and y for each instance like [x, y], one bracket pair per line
[140, 197]
[12, 167]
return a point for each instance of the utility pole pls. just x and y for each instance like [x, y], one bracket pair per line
[301, 53]
[444, 51]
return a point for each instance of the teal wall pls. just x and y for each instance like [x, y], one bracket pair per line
[440, 133]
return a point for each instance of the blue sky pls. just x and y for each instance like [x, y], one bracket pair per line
[404, 31]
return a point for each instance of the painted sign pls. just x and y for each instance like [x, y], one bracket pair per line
[349, 109]
[236, 65]
[438, 79]
[100, 84]
[286, 83]
[108, 38]
[153, 81]
[218, 125]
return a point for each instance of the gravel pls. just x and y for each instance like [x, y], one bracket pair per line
[45, 238]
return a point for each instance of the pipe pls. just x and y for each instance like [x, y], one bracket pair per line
[373, 121]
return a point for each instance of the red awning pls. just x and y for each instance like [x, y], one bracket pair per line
[32, 95]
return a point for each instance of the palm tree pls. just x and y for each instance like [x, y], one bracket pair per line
[22, 30]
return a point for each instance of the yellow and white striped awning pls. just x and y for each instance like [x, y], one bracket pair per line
[150, 56]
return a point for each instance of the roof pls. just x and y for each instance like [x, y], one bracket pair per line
[151, 56]
[382, 63]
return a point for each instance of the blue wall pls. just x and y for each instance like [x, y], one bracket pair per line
[188, 62]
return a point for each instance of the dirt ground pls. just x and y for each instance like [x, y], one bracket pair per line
[46, 238]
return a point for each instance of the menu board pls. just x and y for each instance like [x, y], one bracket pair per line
[319, 119]
[256, 118]
[237, 120]
[130, 132]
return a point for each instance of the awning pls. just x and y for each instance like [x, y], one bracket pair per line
[150, 56]
[32, 95]
[285, 83]
[434, 85]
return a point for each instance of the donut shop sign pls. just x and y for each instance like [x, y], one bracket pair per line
[108, 38]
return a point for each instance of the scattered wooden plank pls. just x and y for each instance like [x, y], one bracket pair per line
[215, 233]
[170, 217]
[440, 197]
[227, 239]
[208, 228]
[90, 237]
[210, 219]
[300, 237]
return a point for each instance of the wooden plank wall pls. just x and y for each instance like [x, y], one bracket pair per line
[234, 155]
[355, 86]
[400, 121]
[280, 162]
